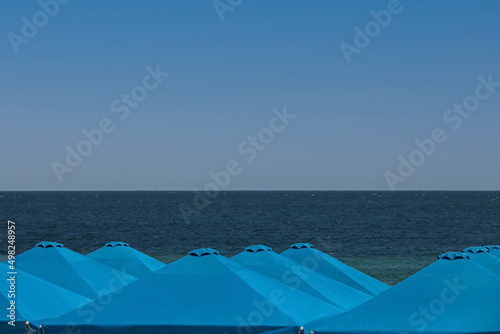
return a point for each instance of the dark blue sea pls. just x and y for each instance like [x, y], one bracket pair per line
[389, 235]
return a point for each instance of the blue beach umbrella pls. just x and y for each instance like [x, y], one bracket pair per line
[327, 265]
[202, 292]
[33, 299]
[121, 256]
[482, 256]
[452, 295]
[54, 263]
[494, 250]
[262, 259]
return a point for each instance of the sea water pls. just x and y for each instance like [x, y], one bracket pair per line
[389, 235]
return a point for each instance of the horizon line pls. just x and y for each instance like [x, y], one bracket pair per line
[253, 190]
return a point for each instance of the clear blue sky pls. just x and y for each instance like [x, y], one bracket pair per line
[353, 120]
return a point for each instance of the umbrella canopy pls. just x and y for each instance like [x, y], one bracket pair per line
[203, 292]
[121, 256]
[34, 298]
[54, 263]
[482, 256]
[327, 265]
[494, 250]
[262, 259]
[452, 295]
